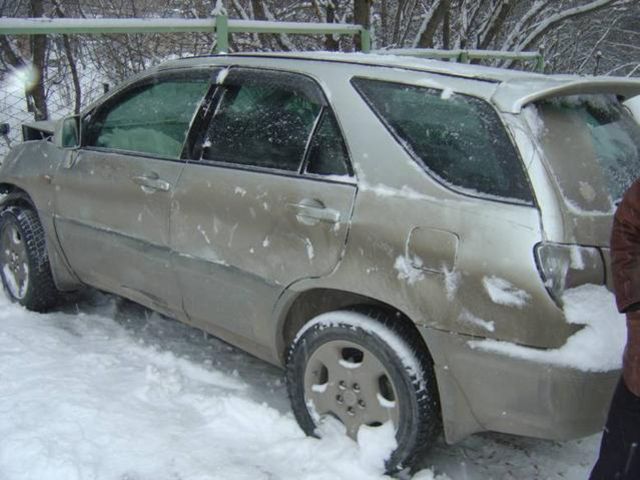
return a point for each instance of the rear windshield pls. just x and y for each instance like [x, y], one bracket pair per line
[593, 147]
[459, 139]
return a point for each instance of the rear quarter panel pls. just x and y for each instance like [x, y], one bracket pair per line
[484, 282]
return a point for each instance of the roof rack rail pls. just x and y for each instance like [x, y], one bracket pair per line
[465, 56]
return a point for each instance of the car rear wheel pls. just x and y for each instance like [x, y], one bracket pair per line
[24, 263]
[364, 371]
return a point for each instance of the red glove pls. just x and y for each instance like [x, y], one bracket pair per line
[631, 361]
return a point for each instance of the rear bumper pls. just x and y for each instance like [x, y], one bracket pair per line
[485, 391]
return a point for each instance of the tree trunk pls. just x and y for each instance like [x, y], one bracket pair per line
[495, 23]
[431, 23]
[11, 57]
[68, 50]
[260, 13]
[446, 27]
[330, 43]
[361, 16]
[39, 50]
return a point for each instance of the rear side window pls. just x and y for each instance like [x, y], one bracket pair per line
[152, 118]
[264, 125]
[593, 145]
[458, 138]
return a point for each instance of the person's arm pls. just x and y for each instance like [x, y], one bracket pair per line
[625, 262]
[631, 362]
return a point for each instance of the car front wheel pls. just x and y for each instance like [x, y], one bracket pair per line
[24, 263]
[363, 370]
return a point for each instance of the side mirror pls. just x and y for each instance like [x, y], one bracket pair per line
[69, 133]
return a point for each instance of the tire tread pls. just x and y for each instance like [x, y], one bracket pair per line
[425, 388]
[42, 293]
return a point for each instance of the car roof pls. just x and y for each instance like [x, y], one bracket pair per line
[514, 89]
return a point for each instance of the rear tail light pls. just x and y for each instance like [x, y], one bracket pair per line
[563, 266]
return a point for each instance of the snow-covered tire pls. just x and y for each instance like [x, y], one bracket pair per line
[24, 262]
[364, 369]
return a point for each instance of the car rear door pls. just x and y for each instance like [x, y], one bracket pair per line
[266, 200]
[112, 196]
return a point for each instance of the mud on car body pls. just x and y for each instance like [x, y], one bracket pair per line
[360, 220]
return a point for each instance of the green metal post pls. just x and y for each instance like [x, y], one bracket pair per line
[464, 57]
[222, 34]
[365, 40]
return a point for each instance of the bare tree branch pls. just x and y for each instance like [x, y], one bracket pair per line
[551, 22]
[521, 25]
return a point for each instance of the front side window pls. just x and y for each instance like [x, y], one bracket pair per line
[458, 138]
[261, 123]
[152, 118]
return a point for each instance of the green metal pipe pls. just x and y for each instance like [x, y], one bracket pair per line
[44, 26]
[365, 40]
[222, 34]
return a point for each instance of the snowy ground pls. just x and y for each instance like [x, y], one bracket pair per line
[108, 390]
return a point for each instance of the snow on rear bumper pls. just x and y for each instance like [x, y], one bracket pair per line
[488, 391]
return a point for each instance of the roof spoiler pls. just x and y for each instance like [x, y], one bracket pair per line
[509, 99]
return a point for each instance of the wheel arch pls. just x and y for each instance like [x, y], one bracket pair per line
[426, 419]
[63, 276]
[313, 302]
[15, 196]
[457, 416]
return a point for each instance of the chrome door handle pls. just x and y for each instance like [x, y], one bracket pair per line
[311, 212]
[152, 182]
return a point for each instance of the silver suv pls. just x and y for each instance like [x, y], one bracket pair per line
[371, 223]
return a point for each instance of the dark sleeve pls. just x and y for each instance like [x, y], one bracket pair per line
[625, 249]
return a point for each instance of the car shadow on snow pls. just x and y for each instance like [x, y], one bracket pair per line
[265, 382]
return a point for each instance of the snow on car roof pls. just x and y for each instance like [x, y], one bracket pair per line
[515, 88]
[376, 59]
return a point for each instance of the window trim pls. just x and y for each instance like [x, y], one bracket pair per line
[218, 91]
[324, 113]
[207, 110]
[429, 172]
[131, 154]
[307, 147]
[208, 73]
[337, 179]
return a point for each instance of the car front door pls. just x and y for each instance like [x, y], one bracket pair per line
[112, 196]
[266, 200]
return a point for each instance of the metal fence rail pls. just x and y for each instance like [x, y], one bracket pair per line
[220, 25]
[77, 74]
[68, 86]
